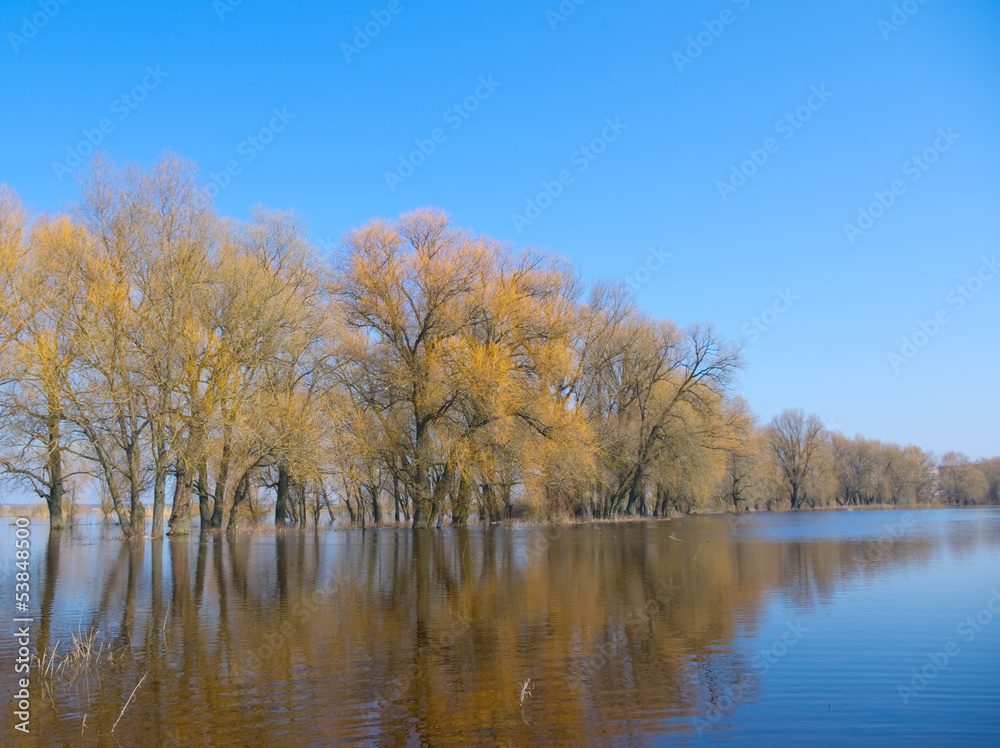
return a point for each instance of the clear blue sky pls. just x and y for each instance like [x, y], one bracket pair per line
[353, 112]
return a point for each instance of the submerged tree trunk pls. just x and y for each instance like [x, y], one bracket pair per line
[54, 496]
[159, 499]
[636, 492]
[491, 505]
[326, 500]
[425, 514]
[180, 513]
[219, 501]
[281, 503]
[112, 485]
[242, 490]
[350, 509]
[422, 500]
[376, 507]
[317, 507]
[395, 495]
[161, 463]
[218, 504]
[137, 512]
[462, 501]
[204, 507]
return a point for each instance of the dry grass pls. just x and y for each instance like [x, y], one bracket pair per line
[526, 689]
[40, 511]
[131, 696]
[83, 653]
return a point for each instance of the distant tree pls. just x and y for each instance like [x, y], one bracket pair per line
[961, 482]
[858, 469]
[751, 481]
[991, 470]
[909, 480]
[796, 440]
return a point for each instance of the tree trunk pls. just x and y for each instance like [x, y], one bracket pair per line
[219, 502]
[317, 507]
[204, 508]
[137, 512]
[161, 464]
[159, 499]
[421, 476]
[431, 506]
[329, 507]
[395, 494]
[636, 492]
[180, 512]
[376, 508]
[422, 500]
[281, 503]
[462, 501]
[420, 513]
[490, 509]
[55, 492]
[242, 491]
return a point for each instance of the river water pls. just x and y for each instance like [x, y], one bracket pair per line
[817, 628]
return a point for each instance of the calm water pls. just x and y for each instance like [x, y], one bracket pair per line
[806, 629]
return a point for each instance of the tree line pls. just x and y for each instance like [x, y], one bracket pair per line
[160, 355]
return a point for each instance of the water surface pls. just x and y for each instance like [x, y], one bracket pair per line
[807, 629]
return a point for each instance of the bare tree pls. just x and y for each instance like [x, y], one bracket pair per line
[796, 440]
[37, 351]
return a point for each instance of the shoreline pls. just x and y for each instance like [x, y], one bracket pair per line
[271, 529]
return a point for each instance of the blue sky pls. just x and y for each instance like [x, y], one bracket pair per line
[694, 91]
